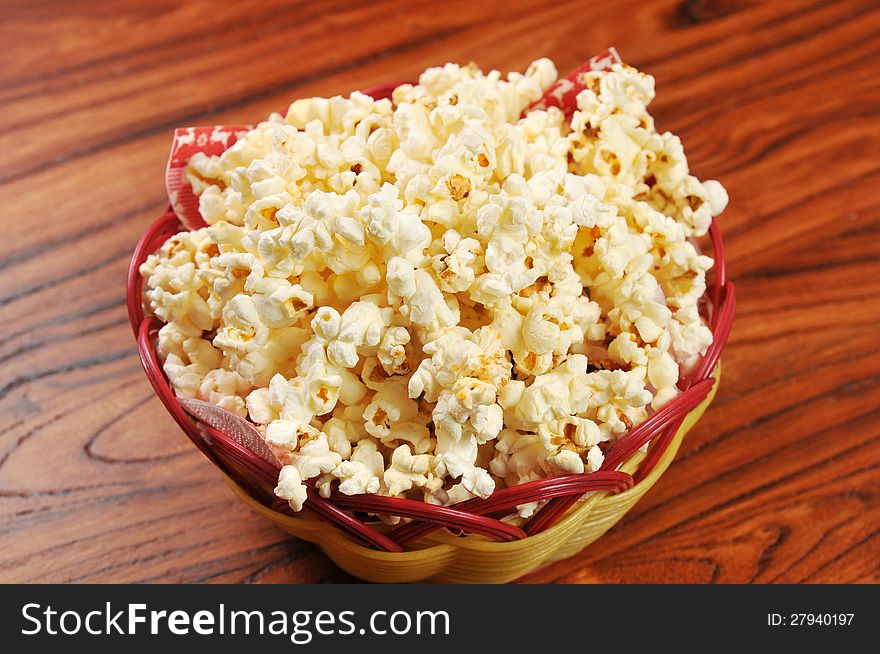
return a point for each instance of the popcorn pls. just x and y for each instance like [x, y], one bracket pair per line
[226, 389]
[399, 232]
[360, 328]
[392, 350]
[436, 296]
[562, 391]
[410, 471]
[363, 472]
[391, 418]
[291, 488]
[457, 459]
[314, 457]
[178, 280]
[284, 433]
[454, 266]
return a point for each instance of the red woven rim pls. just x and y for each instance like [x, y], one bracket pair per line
[476, 516]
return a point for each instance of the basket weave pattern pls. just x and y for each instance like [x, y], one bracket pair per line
[468, 542]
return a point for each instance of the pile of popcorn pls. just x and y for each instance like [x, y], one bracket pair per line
[433, 297]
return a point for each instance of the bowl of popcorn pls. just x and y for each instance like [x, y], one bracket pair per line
[449, 330]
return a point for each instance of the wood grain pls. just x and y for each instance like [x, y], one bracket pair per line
[781, 101]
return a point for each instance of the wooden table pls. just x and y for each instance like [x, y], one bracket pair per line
[780, 101]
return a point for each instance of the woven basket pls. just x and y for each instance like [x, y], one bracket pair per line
[468, 543]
